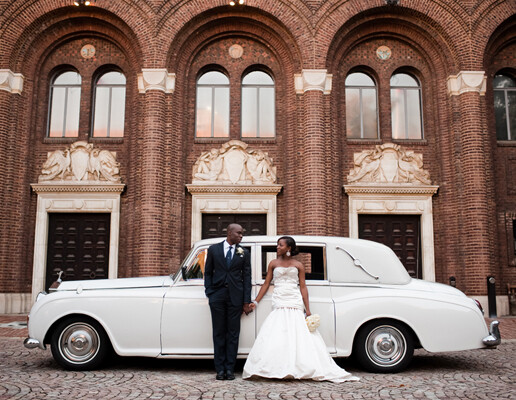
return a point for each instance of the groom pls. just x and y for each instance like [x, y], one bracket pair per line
[227, 279]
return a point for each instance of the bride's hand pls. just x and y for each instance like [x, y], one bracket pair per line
[308, 313]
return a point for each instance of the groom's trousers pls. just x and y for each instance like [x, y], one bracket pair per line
[225, 319]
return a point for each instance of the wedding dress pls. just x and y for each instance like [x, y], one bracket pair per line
[285, 348]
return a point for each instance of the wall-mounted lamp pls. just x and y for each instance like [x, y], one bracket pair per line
[82, 3]
[453, 281]
[233, 2]
[392, 2]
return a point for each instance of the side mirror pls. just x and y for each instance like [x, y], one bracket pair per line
[183, 273]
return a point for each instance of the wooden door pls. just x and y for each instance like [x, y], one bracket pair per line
[215, 225]
[78, 245]
[399, 232]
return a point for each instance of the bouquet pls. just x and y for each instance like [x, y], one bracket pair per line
[313, 322]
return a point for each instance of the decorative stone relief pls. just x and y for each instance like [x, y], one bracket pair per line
[233, 164]
[467, 81]
[388, 164]
[81, 162]
[10, 81]
[313, 79]
[156, 79]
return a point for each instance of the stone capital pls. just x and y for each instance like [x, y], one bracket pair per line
[156, 79]
[467, 81]
[313, 79]
[10, 81]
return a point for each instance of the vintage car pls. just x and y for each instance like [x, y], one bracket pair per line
[368, 305]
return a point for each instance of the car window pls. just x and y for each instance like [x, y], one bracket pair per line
[312, 257]
[195, 269]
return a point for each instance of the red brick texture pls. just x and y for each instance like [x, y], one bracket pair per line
[473, 211]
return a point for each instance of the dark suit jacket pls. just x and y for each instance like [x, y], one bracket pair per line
[237, 277]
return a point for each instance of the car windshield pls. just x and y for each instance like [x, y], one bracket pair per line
[182, 265]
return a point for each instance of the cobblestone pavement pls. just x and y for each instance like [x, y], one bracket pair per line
[33, 374]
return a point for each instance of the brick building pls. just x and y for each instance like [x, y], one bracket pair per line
[129, 129]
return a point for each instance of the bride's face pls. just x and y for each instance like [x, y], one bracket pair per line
[282, 247]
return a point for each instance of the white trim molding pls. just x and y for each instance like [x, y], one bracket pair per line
[234, 199]
[74, 197]
[156, 79]
[10, 81]
[467, 81]
[313, 79]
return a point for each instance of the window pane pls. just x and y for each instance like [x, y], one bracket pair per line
[68, 78]
[57, 112]
[117, 112]
[213, 78]
[500, 115]
[414, 114]
[403, 80]
[359, 79]
[100, 124]
[257, 78]
[112, 78]
[511, 109]
[353, 113]
[72, 112]
[267, 112]
[203, 117]
[503, 81]
[221, 109]
[369, 113]
[397, 114]
[249, 111]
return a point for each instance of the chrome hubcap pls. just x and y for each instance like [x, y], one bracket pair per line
[79, 343]
[386, 346]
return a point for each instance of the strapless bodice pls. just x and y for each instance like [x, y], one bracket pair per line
[286, 290]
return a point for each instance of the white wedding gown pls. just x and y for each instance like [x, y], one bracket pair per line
[285, 348]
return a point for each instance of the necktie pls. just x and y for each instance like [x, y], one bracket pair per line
[228, 256]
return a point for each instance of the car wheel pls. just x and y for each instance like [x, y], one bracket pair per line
[79, 343]
[383, 346]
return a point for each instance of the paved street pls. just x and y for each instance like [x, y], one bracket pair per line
[32, 374]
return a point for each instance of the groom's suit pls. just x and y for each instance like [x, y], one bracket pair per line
[227, 288]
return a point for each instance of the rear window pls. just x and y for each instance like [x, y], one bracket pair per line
[312, 257]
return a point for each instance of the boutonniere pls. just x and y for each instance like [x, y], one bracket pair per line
[240, 251]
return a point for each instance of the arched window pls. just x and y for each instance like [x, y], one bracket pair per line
[505, 106]
[361, 108]
[406, 107]
[212, 110]
[258, 107]
[109, 110]
[65, 100]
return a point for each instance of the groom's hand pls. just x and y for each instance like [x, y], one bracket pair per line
[247, 308]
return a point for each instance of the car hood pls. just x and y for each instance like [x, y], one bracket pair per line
[123, 283]
[434, 287]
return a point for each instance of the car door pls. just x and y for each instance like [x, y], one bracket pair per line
[313, 257]
[186, 319]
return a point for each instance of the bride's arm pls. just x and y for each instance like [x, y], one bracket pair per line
[303, 289]
[266, 284]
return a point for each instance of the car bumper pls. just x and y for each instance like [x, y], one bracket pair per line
[31, 343]
[494, 338]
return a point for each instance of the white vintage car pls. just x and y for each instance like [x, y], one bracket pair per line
[369, 307]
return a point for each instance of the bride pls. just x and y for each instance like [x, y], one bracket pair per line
[285, 347]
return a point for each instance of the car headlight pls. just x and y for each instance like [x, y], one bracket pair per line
[40, 296]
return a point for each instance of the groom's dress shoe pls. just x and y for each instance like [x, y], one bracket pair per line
[221, 376]
[230, 375]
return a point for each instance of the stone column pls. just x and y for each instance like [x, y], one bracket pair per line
[313, 85]
[476, 180]
[155, 84]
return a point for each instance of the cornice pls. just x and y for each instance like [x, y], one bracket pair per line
[237, 189]
[53, 187]
[391, 189]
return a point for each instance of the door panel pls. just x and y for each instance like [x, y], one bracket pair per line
[399, 232]
[215, 225]
[78, 245]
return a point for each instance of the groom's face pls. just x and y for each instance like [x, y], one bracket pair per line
[235, 233]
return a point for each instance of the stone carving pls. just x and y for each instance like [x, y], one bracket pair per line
[81, 162]
[233, 164]
[467, 81]
[388, 163]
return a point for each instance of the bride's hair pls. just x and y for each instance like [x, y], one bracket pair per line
[290, 243]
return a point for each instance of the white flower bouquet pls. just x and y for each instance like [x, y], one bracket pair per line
[312, 322]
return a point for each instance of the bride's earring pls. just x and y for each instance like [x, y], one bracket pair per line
[288, 253]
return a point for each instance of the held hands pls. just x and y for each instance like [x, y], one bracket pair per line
[248, 308]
